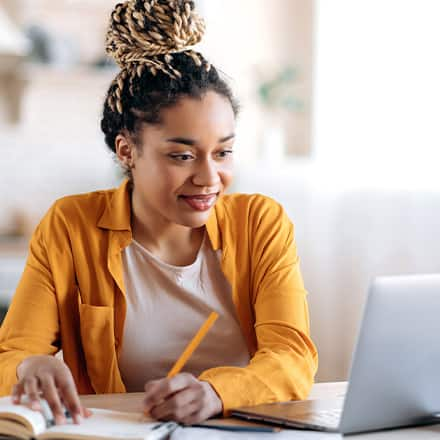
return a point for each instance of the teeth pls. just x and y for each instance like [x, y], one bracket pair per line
[201, 202]
[202, 199]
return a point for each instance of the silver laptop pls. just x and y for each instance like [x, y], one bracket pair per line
[394, 378]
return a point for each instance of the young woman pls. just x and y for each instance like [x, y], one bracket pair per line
[120, 280]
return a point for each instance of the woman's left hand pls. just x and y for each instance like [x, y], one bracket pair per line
[183, 398]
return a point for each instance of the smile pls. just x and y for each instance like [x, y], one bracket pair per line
[200, 202]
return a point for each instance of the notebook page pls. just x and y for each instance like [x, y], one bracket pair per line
[32, 420]
[104, 424]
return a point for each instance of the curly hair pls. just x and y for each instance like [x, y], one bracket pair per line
[149, 41]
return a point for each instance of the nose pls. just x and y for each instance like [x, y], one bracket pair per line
[207, 174]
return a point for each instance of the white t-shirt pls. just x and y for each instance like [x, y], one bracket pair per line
[166, 305]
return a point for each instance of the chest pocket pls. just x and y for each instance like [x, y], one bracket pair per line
[98, 341]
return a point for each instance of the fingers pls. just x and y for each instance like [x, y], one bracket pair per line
[32, 390]
[157, 391]
[69, 395]
[17, 393]
[18, 396]
[182, 398]
[193, 418]
[178, 406]
[85, 412]
[50, 393]
[48, 378]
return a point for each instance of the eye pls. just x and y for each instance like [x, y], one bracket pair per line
[224, 153]
[181, 157]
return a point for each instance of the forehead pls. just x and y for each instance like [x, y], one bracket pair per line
[211, 112]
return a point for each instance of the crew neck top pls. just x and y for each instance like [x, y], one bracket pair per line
[166, 305]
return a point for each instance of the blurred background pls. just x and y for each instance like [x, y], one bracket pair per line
[340, 107]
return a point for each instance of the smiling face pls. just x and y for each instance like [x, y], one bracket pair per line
[184, 163]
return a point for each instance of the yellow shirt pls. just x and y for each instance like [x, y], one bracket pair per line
[71, 297]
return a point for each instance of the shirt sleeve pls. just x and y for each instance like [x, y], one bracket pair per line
[284, 365]
[31, 323]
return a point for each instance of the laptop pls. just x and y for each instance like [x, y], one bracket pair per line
[394, 378]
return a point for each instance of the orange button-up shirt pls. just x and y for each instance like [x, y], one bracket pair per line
[71, 297]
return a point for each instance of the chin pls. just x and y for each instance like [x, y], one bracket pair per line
[196, 220]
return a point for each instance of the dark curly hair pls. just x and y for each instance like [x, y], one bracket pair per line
[148, 40]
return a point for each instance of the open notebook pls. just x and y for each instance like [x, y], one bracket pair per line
[19, 421]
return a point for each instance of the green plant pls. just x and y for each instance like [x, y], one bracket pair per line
[278, 93]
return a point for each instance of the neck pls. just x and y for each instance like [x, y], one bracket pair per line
[173, 243]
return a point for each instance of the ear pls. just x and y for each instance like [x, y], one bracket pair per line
[125, 150]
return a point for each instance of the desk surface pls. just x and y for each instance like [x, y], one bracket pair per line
[132, 402]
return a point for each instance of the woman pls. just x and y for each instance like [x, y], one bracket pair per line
[120, 280]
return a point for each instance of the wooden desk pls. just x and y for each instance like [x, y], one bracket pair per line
[132, 402]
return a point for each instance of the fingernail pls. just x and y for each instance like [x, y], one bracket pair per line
[35, 405]
[60, 420]
[77, 419]
[86, 412]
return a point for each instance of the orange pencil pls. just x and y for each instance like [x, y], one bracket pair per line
[195, 342]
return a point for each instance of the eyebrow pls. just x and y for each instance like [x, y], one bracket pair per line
[192, 142]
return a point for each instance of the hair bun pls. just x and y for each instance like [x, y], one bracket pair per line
[141, 29]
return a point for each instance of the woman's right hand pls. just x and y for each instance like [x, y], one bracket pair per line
[44, 376]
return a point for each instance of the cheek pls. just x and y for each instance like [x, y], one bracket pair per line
[227, 175]
[162, 175]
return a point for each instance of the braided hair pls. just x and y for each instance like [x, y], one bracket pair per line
[149, 41]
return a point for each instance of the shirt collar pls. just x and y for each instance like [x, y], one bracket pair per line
[117, 212]
[117, 215]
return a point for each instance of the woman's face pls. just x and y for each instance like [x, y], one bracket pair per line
[185, 162]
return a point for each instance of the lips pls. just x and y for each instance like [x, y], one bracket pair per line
[200, 202]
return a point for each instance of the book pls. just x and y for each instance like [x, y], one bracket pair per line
[19, 421]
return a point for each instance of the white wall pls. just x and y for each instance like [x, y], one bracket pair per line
[377, 92]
